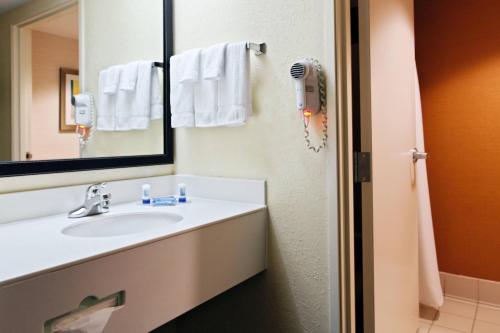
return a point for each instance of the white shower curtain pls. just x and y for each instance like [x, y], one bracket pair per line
[431, 293]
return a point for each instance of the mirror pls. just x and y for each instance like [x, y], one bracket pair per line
[84, 81]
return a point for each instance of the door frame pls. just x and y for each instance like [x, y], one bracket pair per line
[345, 168]
[346, 190]
[21, 79]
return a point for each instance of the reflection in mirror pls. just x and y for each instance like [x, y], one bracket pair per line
[77, 82]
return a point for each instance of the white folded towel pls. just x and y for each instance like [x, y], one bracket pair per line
[107, 101]
[133, 111]
[213, 61]
[156, 94]
[191, 64]
[138, 100]
[207, 91]
[111, 79]
[235, 104]
[185, 68]
[128, 78]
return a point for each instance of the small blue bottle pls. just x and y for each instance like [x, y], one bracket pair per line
[146, 194]
[182, 193]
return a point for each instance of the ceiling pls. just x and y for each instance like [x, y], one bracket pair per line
[63, 24]
[6, 5]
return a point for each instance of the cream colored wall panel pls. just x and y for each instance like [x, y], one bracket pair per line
[271, 147]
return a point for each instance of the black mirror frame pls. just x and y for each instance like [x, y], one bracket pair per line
[21, 168]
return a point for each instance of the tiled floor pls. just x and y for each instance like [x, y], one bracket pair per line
[459, 316]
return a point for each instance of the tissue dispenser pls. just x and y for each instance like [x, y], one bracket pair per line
[91, 316]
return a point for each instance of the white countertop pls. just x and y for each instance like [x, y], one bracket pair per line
[35, 246]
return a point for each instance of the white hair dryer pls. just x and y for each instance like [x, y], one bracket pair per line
[307, 87]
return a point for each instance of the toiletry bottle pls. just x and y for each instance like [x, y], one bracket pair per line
[182, 193]
[146, 194]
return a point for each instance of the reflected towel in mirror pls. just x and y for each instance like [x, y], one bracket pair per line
[137, 101]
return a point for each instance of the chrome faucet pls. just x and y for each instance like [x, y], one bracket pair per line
[95, 202]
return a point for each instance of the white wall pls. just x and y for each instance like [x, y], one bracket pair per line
[118, 32]
[293, 295]
[49, 54]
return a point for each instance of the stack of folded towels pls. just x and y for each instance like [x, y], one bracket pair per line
[130, 96]
[211, 87]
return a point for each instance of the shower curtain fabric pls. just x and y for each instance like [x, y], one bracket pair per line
[431, 293]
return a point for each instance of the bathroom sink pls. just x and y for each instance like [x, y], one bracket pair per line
[121, 224]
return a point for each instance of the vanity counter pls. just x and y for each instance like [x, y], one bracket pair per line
[31, 247]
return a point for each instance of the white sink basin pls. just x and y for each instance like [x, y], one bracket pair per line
[121, 224]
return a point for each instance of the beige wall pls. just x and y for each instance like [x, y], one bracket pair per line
[292, 296]
[49, 54]
[117, 32]
[14, 16]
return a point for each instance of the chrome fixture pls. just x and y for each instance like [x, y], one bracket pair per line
[95, 202]
[418, 155]
[258, 48]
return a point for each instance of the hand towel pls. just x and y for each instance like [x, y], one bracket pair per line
[213, 61]
[191, 64]
[207, 91]
[128, 78]
[133, 110]
[182, 94]
[94, 323]
[106, 102]
[235, 105]
[156, 94]
[111, 79]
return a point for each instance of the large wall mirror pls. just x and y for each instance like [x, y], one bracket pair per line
[83, 84]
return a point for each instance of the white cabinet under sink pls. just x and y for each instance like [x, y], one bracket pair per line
[161, 280]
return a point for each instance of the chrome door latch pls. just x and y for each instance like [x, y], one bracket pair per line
[418, 155]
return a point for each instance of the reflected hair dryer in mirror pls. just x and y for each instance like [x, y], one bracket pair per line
[84, 117]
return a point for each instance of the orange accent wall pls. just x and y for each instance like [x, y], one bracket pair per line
[458, 59]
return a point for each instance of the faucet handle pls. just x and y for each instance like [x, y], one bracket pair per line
[95, 189]
[106, 200]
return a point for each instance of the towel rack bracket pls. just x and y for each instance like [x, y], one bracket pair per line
[258, 48]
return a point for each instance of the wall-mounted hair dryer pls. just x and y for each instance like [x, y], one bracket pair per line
[310, 87]
[307, 87]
